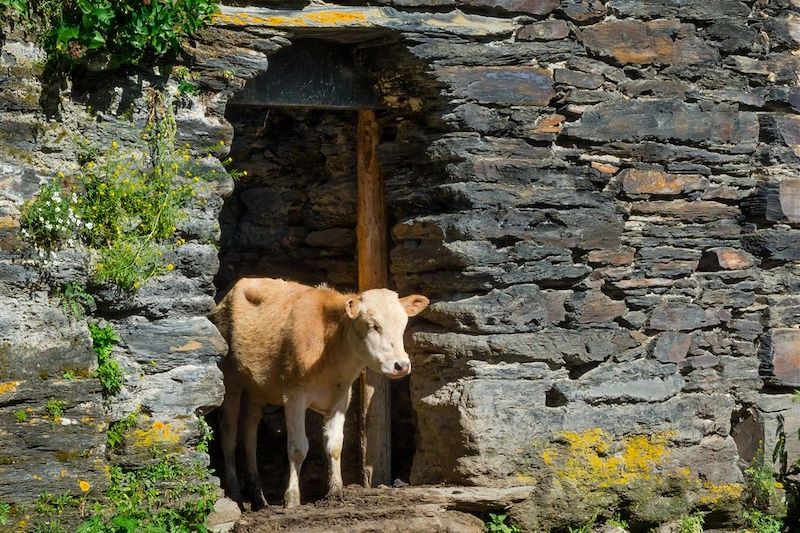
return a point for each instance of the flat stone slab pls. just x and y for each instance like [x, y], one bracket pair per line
[340, 17]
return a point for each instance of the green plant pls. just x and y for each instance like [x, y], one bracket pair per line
[123, 205]
[68, 375]
[108, 370]
[115, 435]
[75, 299]
[761, 482]
[54, 408]
[124, 32]
[761, 522]
[50, 504]
[691, 523]
[618, 521]
[186, 87]
[497, 524]
[206, 434]
[21, 416]
[165, 496]
[51, 219]
[5, 513]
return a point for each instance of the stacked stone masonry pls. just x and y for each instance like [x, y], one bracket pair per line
[602, 200]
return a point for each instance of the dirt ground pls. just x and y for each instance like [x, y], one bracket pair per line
[385, 509]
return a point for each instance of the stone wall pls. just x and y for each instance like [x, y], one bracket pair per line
[599, 197]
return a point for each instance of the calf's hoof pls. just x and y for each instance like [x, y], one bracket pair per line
[291, 499]
[257, 502]
[335, 494]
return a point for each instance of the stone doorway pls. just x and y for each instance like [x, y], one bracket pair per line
[293, 215]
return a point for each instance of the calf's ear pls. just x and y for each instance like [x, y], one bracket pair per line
[414, 304]
[351, 307]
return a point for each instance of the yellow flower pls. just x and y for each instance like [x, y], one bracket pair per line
[170, 266]
[222, 143]
[114, 145]
[84, 485]
[244, 173]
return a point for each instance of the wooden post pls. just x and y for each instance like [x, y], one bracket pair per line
[373, 273]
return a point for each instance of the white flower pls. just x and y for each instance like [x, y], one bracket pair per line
[89, 225]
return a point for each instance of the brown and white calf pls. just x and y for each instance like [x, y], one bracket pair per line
[302, 347]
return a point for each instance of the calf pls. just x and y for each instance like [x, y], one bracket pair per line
[302, 347]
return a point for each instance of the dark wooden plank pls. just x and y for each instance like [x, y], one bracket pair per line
[373, 272]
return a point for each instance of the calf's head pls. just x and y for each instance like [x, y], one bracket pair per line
[378, 320]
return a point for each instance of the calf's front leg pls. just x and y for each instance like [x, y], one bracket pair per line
[334, 436]
[294, 408]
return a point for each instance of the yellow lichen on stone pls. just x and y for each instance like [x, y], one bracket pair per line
[8, 386]
[723, 492]
[189, 346]
[319, 18]
[159, 433]
[588, 460]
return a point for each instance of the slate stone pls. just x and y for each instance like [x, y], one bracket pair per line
[618, 257]
[725, 259]
[774, 244]
[577, 79]
[332, 238]
[674, 316]
[643, 380]
[700, 210]
[660, 41]
[584, 11]
[782, 357]
[500, 85]
[664, 119]
[516, 309]
[546, 30]
[594, 306]
[555, 346]
[680, 8]
[59, 452]
[733, 36]
[636, 181]
[533, 7]
[159, 346]
[672, 347]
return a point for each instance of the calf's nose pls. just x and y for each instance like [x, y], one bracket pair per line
[401, 368]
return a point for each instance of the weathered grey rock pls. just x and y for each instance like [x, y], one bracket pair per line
[500, 85]
[774, 244]
[61, 451]
[781, 356]
[659, 41]
[666, 120]
[672, 347]
[38, 340]
[675, 316]
[534, 7]
[544, 31]
[681, 8]
[642, 380]
[159, 346]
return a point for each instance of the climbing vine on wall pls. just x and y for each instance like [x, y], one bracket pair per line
[123, 32]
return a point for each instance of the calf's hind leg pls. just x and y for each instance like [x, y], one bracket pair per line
[294, 408]
[229, 426]
[250, 421]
